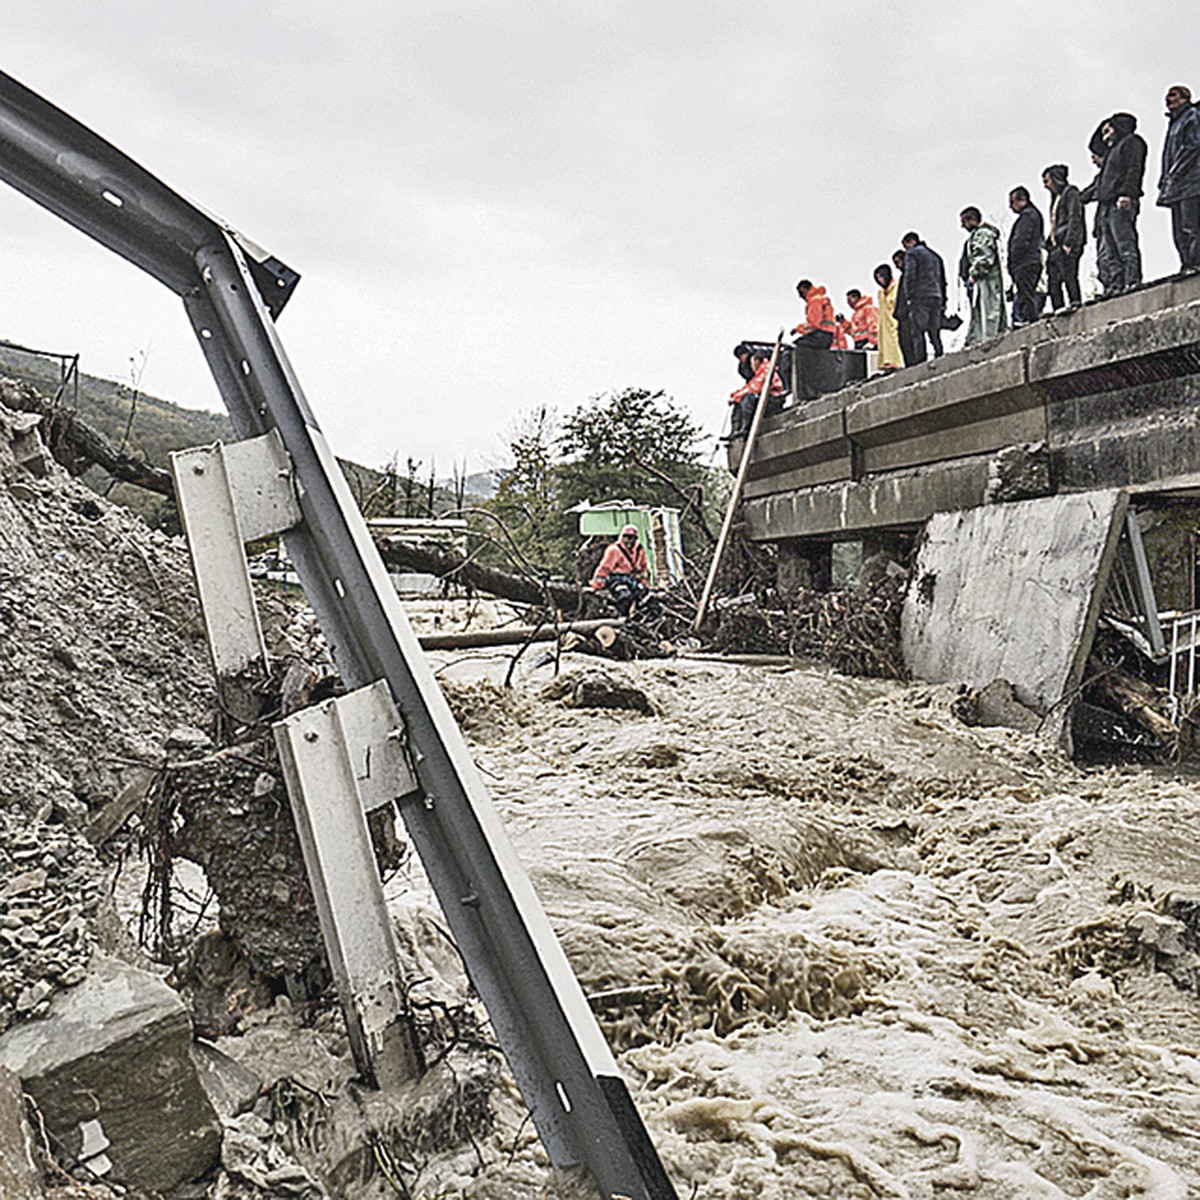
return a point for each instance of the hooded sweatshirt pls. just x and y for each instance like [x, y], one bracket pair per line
[1067, 227]
[1125, 163]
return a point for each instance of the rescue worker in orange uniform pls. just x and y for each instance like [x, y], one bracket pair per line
[864, 322]
[623, 571]
[745, 399]
[841, 332]
[817, 328]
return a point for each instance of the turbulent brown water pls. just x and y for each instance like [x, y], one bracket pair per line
[883, 954]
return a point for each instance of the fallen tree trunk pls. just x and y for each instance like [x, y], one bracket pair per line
[77, 446]
[409, 556]
[513, 635]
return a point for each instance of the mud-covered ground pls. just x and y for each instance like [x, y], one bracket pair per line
[864, 950]
[902, 957]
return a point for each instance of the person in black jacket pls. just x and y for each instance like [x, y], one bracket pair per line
[922, 297]
[1025, 255]
[1119, 195]
[1066, 238]
[1179, 185]
[1106, 269]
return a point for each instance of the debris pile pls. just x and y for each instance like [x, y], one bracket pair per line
[857, 632]
[49, 895]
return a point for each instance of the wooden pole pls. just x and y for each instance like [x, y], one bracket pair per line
[512, 635]
[738, 484]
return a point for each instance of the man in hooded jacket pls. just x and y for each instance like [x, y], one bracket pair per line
[1119, 195]
[1066, 237]
[1179, 185]
[980, 266]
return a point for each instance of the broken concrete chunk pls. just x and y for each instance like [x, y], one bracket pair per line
[20, 1178]
[231, 1088]
[116, 1049]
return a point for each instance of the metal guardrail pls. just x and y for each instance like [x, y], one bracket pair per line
[232, 291]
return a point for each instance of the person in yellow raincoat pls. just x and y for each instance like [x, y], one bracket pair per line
[890, 358]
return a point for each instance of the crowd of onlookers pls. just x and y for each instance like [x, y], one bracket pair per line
[1043, 254]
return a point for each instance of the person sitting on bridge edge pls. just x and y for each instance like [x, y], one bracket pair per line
[745, 399]
[816, 330]
[623, 571]
[864, 320]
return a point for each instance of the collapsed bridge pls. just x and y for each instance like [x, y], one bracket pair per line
[1055, 472]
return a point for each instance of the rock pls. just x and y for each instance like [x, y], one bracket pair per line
[1164, 935]
[116, 1049]
[231, 1088]
[996, 704]
[20, 1178]
[188, 739]
[592, 688]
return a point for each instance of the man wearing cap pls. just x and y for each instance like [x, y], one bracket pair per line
[1179, 186]
[623, 571]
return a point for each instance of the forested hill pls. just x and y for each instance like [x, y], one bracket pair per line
[150, 428]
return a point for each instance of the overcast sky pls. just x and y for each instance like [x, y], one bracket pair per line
[496, 205]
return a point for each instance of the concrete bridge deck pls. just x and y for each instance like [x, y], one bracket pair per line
[1106, 396]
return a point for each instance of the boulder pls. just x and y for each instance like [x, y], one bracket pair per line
[110, 1064]
[19, 1177]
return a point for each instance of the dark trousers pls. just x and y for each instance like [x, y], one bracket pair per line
[816, 339]
[1185, 227]
[743, 412]
[1118, 229]
[1062, 269]
[1025, 278]
[924, 321]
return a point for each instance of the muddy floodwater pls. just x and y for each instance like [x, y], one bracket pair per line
[863, 949]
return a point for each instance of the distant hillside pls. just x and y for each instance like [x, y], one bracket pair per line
[151, 428]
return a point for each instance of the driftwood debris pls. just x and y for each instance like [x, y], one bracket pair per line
[454, 567]
[516, 635]
[77, 446]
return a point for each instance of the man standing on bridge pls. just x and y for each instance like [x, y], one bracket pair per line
[817, 328]
[1119, 195]
[981, 264]
[1179, 186]
[1025, 255]
[922, 299]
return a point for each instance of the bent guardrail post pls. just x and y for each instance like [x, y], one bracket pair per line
[231, 291]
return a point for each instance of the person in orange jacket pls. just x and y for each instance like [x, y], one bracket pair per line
[623, 571]
[841, 332]
[817, 328]
[864, 323]
[745, 399]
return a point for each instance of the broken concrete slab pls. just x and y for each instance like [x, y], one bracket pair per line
[116, 1050]
[20, 1178]
[1012, 591]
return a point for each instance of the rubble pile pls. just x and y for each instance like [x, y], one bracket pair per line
[49, 893]
[101, 647]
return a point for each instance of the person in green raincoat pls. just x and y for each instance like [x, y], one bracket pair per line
[981, 261]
